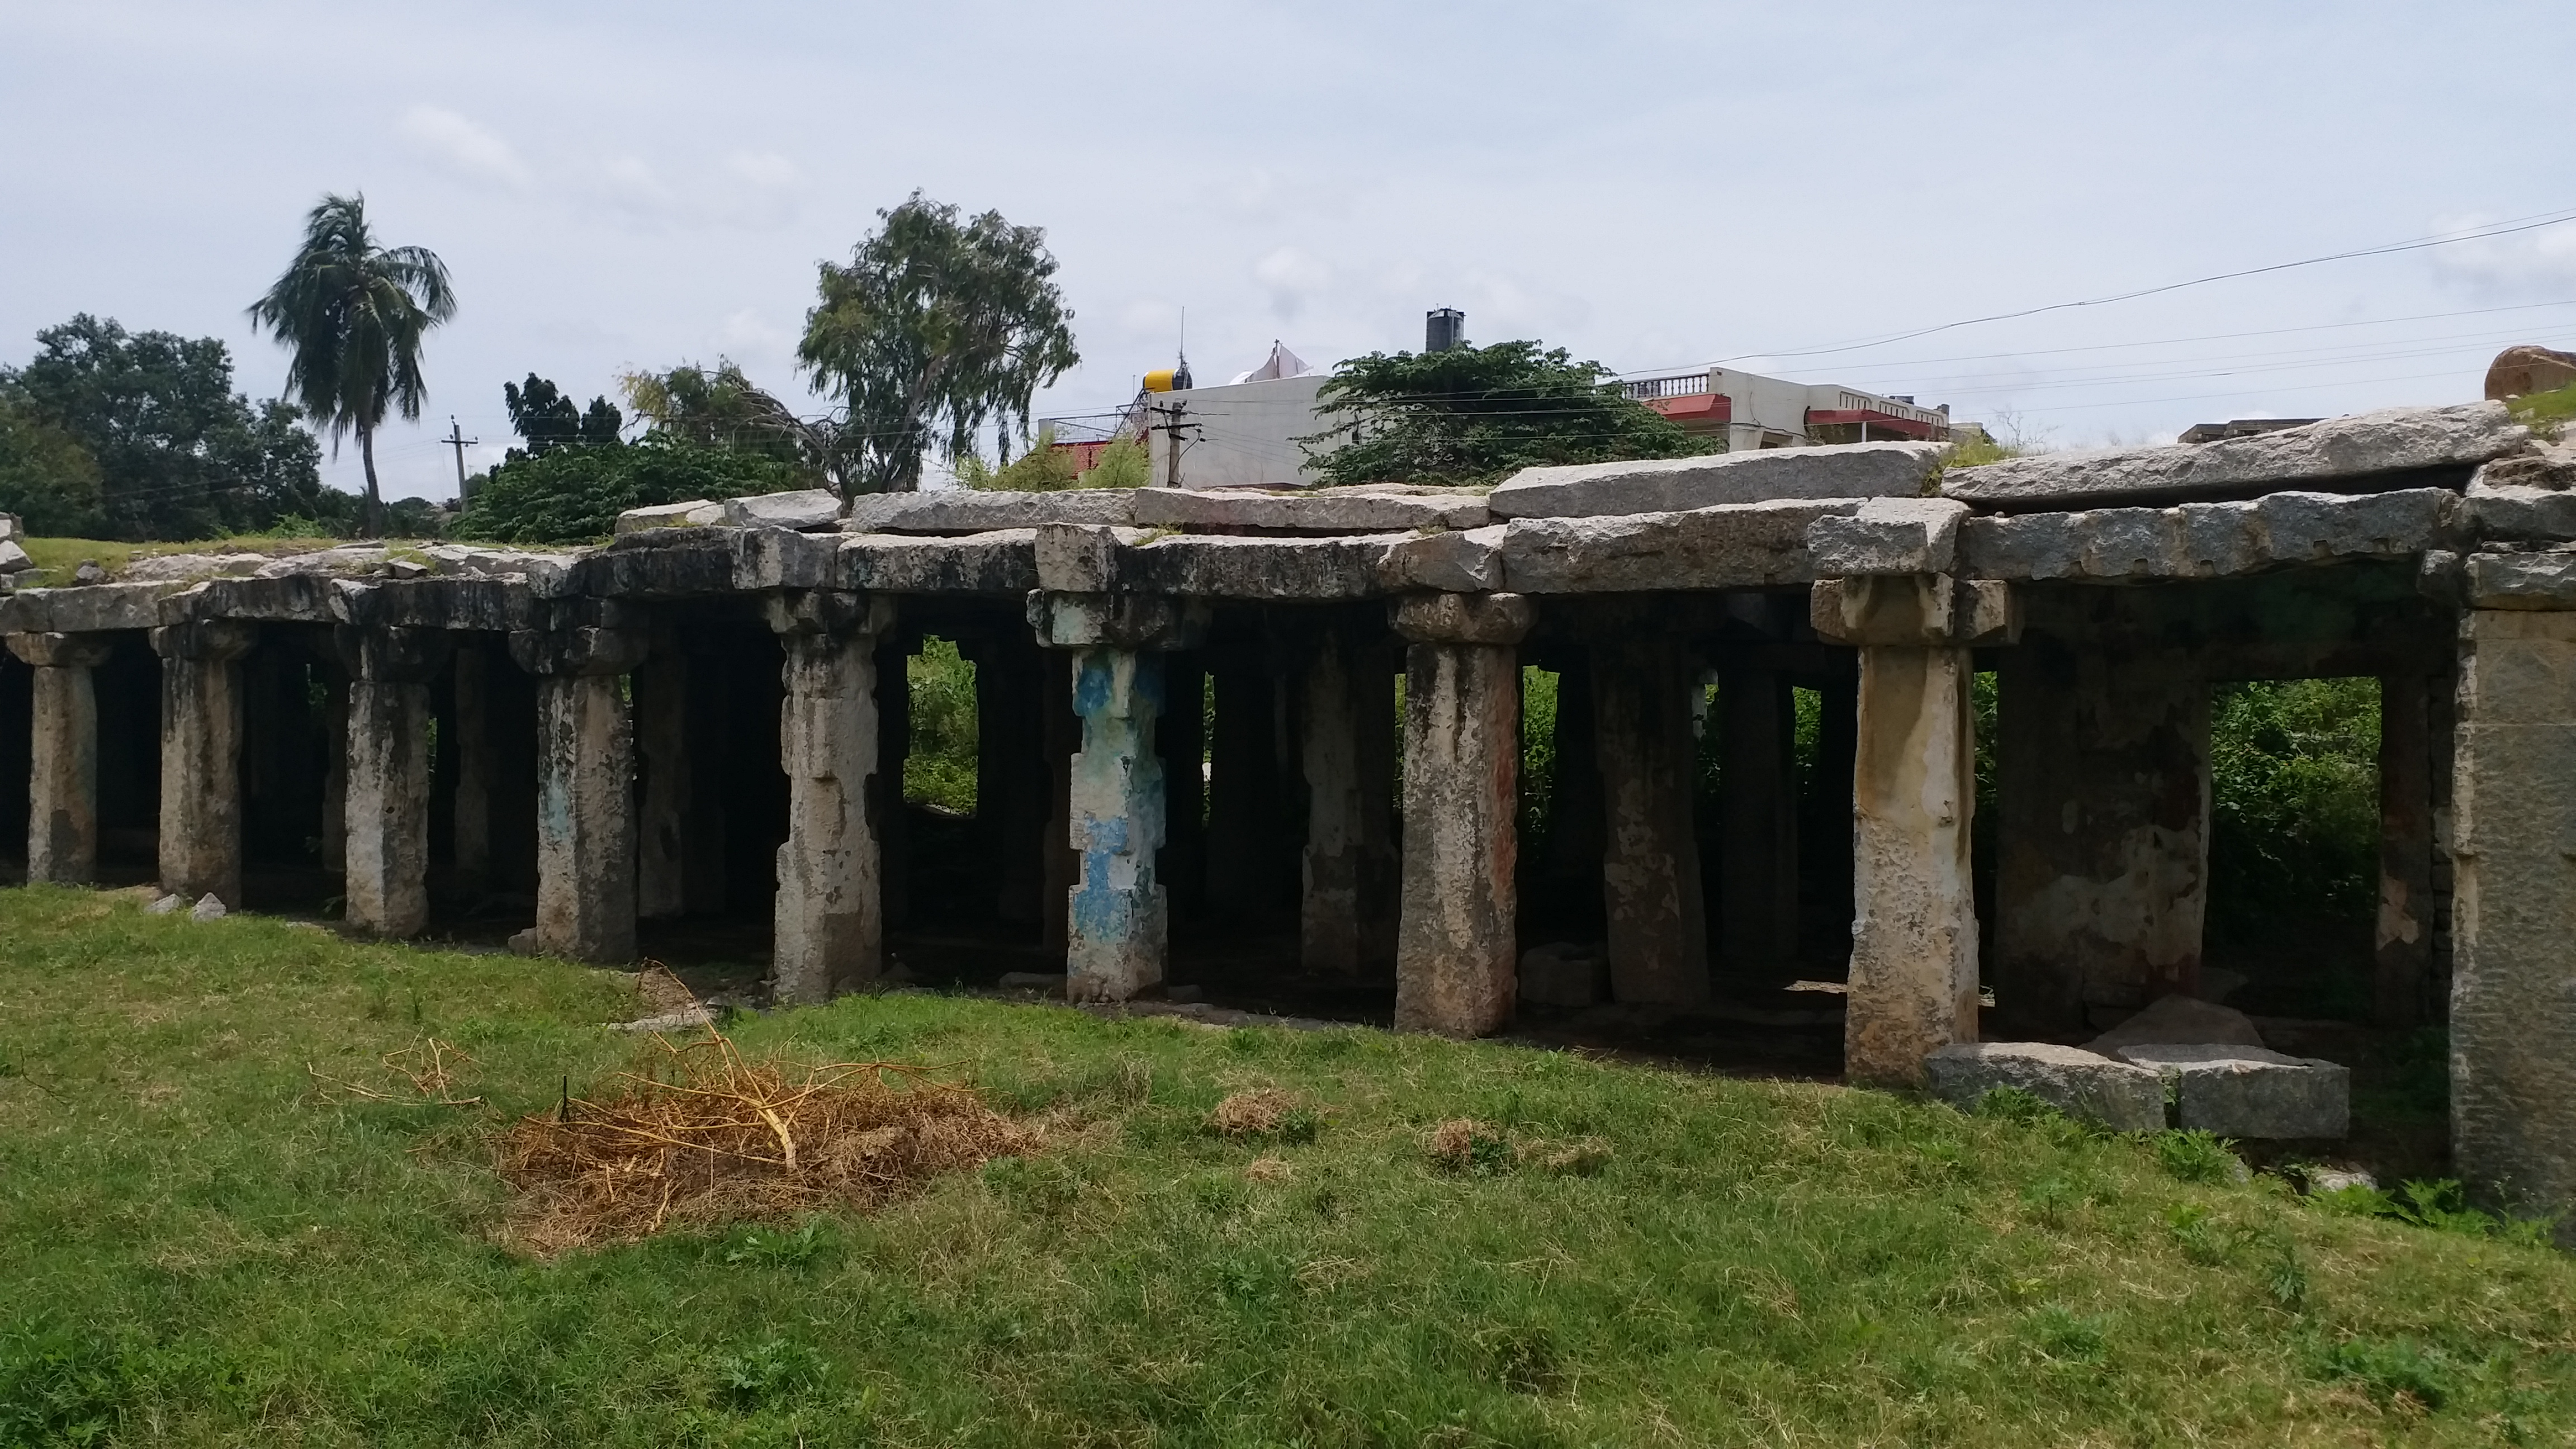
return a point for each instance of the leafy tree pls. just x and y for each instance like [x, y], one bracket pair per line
[46, 477]
[172, 451]
[721, 408]
[573, 495]
[935, 328]
[352, 314]
[1479, 414]
[546, 418]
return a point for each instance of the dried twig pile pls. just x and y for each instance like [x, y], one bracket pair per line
[706, 1136]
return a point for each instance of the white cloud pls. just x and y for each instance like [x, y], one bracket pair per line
[459, 146]
[2523, 266]
[765, 169]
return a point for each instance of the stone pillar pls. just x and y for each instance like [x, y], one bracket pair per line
[473, 724]
[1913, 980]
[1243, 790]
[1758, 821]
[1059, 861]
[1575, 812]
[387, 792]
[1650, 885]
[201, 717]
[1328, 922]
[1182, 736]
[1456, 949]
[2513, 850]
[661, 685]
[894, 746]
[62, 783]
[831, 907]
[335, 770]
[709, 729]
[585, 788]
[2403, 974]
[1117, 918]
[2102, 866]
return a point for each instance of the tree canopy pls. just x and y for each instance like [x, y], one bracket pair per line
[575, 474]
[721, 408]
[546, 419]
[936, 328]
[351, 314]
[1472, 415]
[111, 434]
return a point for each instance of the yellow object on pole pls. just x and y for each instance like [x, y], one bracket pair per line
[1159, 380]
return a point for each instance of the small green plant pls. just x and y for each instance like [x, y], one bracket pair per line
[771, 1371]
[780, 1248]
[2285, 1278]
[2196, 1156]
[2060, 1335]
[2439, 1204]
[2204, 1241]
[2394, 1368]
[2012, 1104]
[2547, 413]
[2051, 1200]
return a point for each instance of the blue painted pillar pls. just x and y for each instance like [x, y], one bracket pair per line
[1117, 917]
[1118, 914]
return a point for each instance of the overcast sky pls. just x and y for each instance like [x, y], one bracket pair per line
[1654, 186]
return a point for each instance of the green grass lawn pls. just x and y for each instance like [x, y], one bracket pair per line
[197, 1248]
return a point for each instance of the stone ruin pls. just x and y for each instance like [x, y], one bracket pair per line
[710, 712]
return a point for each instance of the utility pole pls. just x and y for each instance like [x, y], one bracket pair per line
[1171, 432]
[456, 439]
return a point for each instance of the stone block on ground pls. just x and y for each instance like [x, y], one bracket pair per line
[1563, 973]
[13, 559]
[2181, 1019]
[696, 513]
[2390, 444]
[809, 508]
[2117, 1094]
[207, 908]
[2240, 1091]
[1673, 485]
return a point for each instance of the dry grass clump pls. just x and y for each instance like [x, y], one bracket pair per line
[1256, 1113]
[707, 1136]
[1463, 1144]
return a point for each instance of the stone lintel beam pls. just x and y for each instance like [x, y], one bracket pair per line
[1889, 536]
[385, 798]
[1456, 952]
[830, 909]
[62, 797]
[1118, 621]
[201, 723]
[1922, 611]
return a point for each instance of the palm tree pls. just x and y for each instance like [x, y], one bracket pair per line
[353, 313]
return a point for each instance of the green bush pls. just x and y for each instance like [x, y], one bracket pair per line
[2294, 834]
[574, 494]
[940, 768]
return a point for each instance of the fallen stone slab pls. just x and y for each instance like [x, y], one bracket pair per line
[2396, 446]
[488, 561]
[807, 508]
[687, 1018]
[1565, 973]
[13, 559]
[1731, 546]
[2241, 1091]
[1320, 510]
[1888, 536]
[696, 513]
[187, 567]
[2119, 1095]
[975, 510]
[1673, 485]
[2181, 1018]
